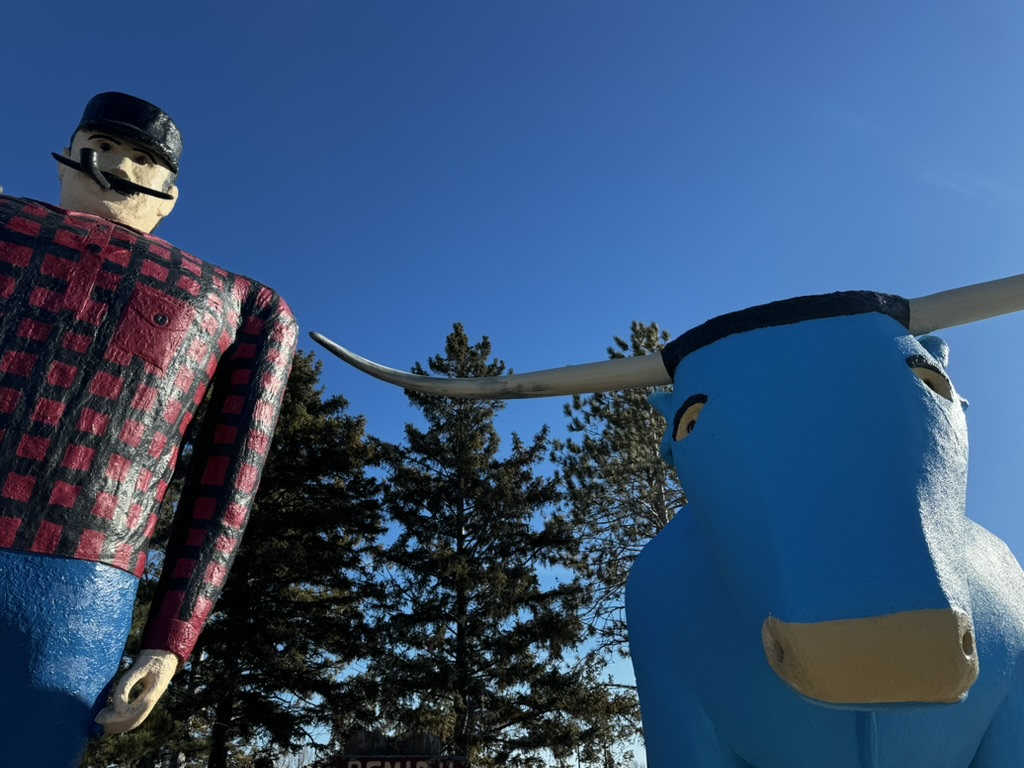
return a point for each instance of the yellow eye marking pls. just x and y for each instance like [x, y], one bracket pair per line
[687, 415]
[932, 377]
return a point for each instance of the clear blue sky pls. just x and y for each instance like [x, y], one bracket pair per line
[546, 171]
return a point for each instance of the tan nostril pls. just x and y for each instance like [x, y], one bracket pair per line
[773, 648]
[968, 643]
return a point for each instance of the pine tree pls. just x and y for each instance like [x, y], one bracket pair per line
[267, 672]
[480, 633]
[620, 491]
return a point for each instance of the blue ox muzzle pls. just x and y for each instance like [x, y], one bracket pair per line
[824, 455]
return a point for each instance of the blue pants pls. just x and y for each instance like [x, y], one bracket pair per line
[63, 626]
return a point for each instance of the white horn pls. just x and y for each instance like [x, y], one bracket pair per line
[966, 305]
[927, 314]
[608, 375]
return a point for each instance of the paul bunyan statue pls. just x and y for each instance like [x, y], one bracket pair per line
[111, 338]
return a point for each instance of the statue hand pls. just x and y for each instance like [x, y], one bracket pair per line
[152, 671]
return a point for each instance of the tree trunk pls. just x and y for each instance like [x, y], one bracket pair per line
[220, 732]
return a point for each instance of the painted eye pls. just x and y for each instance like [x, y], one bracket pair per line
[141, 160]
[687, 415]
[106, 146]
[932, 377]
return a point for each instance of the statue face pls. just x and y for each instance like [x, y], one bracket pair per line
[125, 158]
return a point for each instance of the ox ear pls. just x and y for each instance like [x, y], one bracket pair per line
[662, 402]
[937, 348]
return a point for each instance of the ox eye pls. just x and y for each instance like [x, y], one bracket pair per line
[932, 377]
[687, 415]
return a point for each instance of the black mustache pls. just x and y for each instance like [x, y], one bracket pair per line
[107, 180]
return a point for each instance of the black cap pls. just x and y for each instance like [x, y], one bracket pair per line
[125, 116]
[786, 312]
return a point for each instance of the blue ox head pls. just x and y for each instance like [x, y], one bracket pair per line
[824, 453]
[822, 599]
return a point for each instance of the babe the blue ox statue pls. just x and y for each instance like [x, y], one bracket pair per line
[823, 600]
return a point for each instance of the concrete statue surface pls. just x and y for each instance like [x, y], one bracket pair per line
[823, 599]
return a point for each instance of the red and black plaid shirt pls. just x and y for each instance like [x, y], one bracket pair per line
[110, 340]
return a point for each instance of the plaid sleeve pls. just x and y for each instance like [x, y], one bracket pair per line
[224, 473]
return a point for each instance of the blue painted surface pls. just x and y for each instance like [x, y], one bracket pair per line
[825, 481]
[63, 626]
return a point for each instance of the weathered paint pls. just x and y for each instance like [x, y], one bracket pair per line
[63, 626]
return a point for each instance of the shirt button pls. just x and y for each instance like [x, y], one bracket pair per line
[94, 248]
